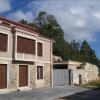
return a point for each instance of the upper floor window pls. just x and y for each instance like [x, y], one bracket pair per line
[3, 42]
[39, 49]
[25, 45]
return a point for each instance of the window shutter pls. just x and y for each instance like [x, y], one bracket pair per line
[25, 45]
[3, 42]
[40, 49]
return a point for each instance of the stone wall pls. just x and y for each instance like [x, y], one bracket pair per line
[45, 82]
[91, 71]
[88, 72]
[47, 75]
[33, 82]
[12, 77]
[32, 70]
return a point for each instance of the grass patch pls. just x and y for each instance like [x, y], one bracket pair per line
[93, 84]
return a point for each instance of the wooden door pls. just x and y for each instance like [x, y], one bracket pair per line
[80, 79]
[3, 76]
[23, 75]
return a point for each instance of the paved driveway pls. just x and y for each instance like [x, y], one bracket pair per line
[42, 93]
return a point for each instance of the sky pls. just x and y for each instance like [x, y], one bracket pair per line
[80, 19]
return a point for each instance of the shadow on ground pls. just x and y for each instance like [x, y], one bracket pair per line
[93, 94]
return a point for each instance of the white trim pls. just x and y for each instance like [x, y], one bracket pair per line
[44, 39]
[8, 44]
[26, 36]
[2, 58]
[36, 49]
[43, 61]
[3, 27]
[15, 52]
[42, 48]
[61, 63]
[25, 60]
[26, 32]
[36, 73]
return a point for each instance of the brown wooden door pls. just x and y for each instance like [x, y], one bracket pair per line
[23, 75]
[3, 76]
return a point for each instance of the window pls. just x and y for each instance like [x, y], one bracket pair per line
[39, 49]
[25, 45]
[3, 42]
[39, 72]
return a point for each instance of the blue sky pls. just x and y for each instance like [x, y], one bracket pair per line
[80, 19]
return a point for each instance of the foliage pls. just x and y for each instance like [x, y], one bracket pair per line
[87, 54]
[93, 84]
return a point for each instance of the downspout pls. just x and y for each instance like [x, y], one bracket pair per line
[51, 64]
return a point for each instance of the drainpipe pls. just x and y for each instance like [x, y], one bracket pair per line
[51, 64]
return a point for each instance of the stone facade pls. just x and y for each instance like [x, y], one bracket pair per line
[33, 82]
[87, 71]
[47, 75]
[32, 73]
[12, 77]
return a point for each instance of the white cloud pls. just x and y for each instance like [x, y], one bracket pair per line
[21, 15]
[78, 18]
[97, 15]
[75, 17]
[80, 23]
[5, 5]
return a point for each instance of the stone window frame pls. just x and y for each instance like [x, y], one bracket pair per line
[40, 77]
[42, 54]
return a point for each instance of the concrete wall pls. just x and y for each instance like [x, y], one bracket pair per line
[46, 50]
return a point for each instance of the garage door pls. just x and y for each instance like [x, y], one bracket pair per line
[23, 75]
[60, 77]
[3, 76]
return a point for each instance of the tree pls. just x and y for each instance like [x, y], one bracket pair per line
[75, 49]
[87, 54]
[23, 22]
[48, 26]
